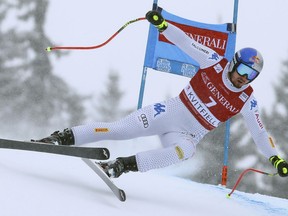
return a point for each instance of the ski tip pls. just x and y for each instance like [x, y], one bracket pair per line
[122, 195]
[106, 153]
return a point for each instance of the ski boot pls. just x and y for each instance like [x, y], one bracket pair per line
[119, 166]
[59, 138]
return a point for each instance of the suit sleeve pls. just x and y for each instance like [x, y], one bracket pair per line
[251, 114]
[204, 55]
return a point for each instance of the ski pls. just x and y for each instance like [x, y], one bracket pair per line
[76, 151]
[119, 193]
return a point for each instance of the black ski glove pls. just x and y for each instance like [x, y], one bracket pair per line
[280, 165]
[156, 19]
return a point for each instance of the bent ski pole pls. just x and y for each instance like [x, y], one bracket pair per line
[48, 49]
[243, 173]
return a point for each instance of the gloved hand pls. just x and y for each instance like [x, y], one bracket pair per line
[156, 19]
[280, 165]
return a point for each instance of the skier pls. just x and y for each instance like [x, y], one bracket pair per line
[218, 91]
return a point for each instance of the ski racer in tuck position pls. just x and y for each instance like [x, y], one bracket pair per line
[219, 90]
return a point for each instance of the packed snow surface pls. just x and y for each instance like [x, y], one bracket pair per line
[45, 184]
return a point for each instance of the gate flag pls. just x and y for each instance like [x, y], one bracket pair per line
[161, 55]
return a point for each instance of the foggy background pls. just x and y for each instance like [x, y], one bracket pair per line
[42, 92]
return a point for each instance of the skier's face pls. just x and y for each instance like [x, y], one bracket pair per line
[238, 80]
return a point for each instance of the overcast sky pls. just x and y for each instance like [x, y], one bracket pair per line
[261, 24]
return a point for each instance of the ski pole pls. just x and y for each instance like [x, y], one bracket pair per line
[48, 49]
[243, 173]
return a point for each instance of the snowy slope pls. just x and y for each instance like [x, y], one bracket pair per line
[42, 184]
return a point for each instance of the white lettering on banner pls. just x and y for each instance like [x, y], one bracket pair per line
[200, 107]
[208, 41]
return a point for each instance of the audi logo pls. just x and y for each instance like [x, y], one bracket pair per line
[144, 120]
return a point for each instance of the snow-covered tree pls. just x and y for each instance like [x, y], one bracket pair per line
[108, 104]
[30, 93]
[277, 124]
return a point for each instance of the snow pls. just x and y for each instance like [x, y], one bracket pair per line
[44, 184]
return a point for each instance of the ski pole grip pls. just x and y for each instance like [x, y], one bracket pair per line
[280, 164]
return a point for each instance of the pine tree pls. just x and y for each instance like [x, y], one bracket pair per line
[241, 149]
[211, 148]
[243, 154]
[108, 104]
[277, 124]
[30, 93]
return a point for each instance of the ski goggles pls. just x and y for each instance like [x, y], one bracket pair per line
[243, 69]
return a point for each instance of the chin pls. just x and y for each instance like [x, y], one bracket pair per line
[237, 85]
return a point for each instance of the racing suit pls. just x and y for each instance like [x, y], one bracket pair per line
[181, 122]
